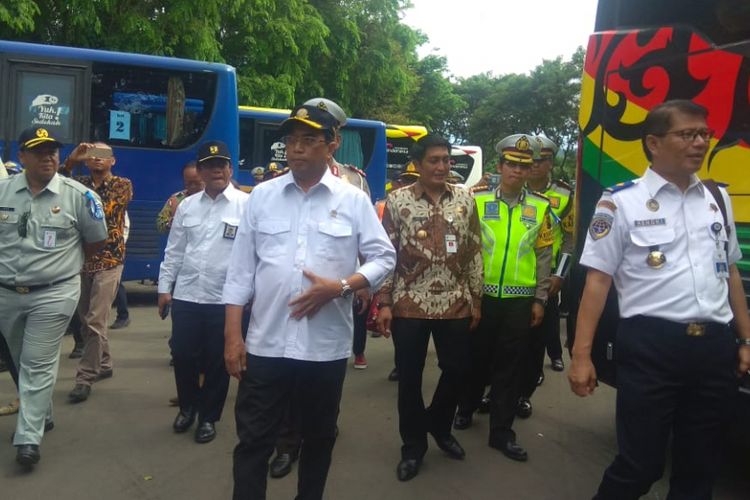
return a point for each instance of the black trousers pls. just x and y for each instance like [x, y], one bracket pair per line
[121, 302]
[539, 338]
[670, 383]
[266, 391]
[498, 347]
[290, 435]
[360, 330]
[198, 347]
[411, 338]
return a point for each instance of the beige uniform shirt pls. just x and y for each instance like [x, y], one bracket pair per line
[57, 221]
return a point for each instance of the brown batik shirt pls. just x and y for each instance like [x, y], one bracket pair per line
[438, 271]
[116, 193]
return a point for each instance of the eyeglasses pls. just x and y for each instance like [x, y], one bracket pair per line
[307, 141]
[691, 134]
[23, 223]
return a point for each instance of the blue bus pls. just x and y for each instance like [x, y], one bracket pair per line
[154, 111]
[363, 145]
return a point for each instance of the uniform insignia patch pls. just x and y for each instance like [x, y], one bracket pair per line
[601, 225]
[40, 132]
[95, 206]
[213, 149]
[528, 213]
[554, 202]
[491, 210]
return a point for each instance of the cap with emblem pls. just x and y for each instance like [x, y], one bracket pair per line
[36, 136]
[312, 116]
[258, 171]
[330, 106]
[544, 149]
[13, 168]
[517, 148]
[409, 171]
[213, 149]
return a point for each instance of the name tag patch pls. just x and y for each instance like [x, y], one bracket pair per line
[230, 231]
[650, 222]
[50, 239]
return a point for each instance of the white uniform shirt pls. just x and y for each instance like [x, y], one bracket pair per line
[286, 230]
[624, 230]
[199, 245]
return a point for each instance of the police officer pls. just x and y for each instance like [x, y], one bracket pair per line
[668, 242]
[547, 334]
[517, 251]
[47, 222]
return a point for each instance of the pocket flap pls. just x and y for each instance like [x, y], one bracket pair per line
[335, 229]
[191, 221]
[274, 226]
[652, 237]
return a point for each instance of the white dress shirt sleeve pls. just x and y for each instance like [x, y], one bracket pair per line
[374, 245]
[239, 286]
[174, 254]
[603, 250]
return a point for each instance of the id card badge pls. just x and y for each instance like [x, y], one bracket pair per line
[721, 268]
[230, 231]
[451, 245]
[50, 239]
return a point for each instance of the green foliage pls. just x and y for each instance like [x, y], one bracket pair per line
[356, 52]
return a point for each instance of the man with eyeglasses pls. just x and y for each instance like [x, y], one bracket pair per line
[48, 224]
[668, 243]
[295, 258]
[517, 250]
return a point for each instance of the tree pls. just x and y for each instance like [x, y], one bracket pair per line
[436, 104]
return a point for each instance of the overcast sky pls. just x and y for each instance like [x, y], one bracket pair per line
[501, 36]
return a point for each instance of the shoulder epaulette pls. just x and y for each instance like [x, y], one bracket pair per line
[74, 184]
[352, 167]
[620, 186]
[563, 184]
[538, 195]
[480, 189]
[722, 185]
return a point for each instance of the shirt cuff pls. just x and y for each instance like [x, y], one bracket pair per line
[237, 295]
[164, 286]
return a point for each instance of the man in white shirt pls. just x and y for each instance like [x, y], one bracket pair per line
[669, 245]
[296, 260]
[195, 267]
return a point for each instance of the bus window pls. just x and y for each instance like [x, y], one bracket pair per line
[152, 108]
[45, 100]
[362, 145]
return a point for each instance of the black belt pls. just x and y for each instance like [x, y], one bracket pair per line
[695, 329]
[34, 288]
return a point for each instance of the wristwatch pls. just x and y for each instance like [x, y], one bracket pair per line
[741, 341]
[346, 289]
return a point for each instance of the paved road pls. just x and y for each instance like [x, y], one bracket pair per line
[119, 444]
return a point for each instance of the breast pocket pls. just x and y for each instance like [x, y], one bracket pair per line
[8, 223]
[653, 237]
[191, 226]
[273, 236]
[334, 240]
[56, 229]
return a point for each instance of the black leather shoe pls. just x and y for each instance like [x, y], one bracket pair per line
[393, 376]
[558, 365]
[523, 408]
[205, 432]
[281, 465]
[183, 421]
[461, 422]
[79, 393]
[27, 454]
[104, 374]
[484, 406]
[511, 450]
[451, 447]
[408, 468]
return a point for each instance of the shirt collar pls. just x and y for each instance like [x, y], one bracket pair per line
[228, 193]
[20, 183]
[420, 192]
[655, 182]
[328, 180]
